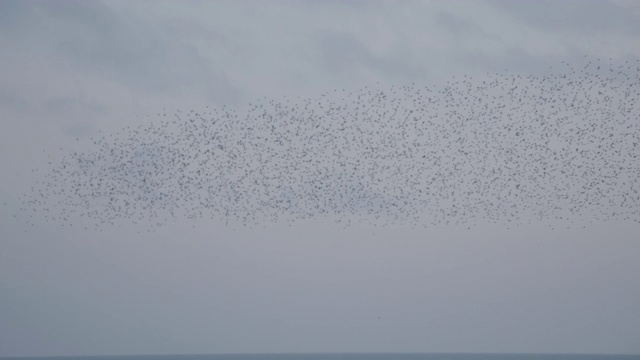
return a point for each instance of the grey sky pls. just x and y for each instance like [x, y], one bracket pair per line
[73, 70]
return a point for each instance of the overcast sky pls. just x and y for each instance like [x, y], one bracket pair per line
[70, 70]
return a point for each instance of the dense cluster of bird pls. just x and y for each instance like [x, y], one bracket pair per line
[503, 148]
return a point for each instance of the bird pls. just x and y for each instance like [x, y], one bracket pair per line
[505, 148]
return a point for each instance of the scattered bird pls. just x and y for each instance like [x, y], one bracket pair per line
[503, 148]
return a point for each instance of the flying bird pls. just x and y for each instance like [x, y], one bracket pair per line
[504, 148]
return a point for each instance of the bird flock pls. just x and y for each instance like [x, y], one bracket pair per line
[502, 148]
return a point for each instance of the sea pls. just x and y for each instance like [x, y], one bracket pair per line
[348, 356]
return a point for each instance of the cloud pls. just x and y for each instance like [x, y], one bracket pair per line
[69, 107]
[341, 53]
[12, 101]
[576, 16]
[458, 26]
[137, 53]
